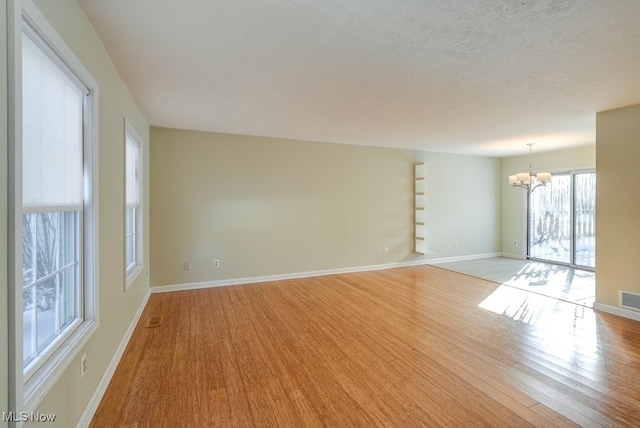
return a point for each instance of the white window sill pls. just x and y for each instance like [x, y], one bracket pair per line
[132, 275]
[48, 374]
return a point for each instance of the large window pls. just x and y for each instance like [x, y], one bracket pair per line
[57, 241]
[50, 293]
[133, 211]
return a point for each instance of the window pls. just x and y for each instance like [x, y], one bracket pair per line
[57, 243]
[133, 212]
[52, 201]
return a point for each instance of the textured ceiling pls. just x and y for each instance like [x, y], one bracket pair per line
[461, 76]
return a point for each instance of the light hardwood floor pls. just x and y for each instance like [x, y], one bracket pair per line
[418, 346]
[561, 282]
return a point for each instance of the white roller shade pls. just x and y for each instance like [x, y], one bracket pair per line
[52, 116]
[132, 172]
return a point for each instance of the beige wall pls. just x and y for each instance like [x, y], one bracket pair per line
[463, 205]
[267, 206]
[618, 203]
[70, 395]
[4, 308]
[514, 226]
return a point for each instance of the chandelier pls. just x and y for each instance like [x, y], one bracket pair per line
[527, 180]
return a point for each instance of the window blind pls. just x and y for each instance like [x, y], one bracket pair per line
[52, 117]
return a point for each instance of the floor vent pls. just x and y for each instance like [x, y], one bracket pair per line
[630, 300]
[154, 322]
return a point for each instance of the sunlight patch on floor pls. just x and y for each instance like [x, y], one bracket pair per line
[560, 326]
[555, 281]
[559, 282]
[516, 304]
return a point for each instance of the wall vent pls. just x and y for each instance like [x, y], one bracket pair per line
[630, 300]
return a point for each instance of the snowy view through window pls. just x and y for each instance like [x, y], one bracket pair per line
[50, 272]
[551, 233]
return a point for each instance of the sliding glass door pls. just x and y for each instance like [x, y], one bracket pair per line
[550, 220]
[562, 220]
[584, 230]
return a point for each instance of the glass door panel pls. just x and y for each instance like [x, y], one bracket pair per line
[550, 220]
[585, 219]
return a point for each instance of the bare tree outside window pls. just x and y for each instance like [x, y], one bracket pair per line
[50, 271]
[556, 231]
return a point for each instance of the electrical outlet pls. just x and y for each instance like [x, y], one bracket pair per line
[83, 365]
[216, 263]
[385, 250]
[186, 266]
[455, 244]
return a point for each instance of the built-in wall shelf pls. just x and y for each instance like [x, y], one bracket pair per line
[420, 208]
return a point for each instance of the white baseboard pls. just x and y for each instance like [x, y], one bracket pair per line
[514, 256]
[616, 310]
[98, 393]
[267, 278]
[309, 274]
[462, 258]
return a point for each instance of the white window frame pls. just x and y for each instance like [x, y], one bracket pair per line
[28, 389]
[134, 270]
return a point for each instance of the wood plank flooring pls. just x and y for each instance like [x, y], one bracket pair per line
[561, 282]
[418, 346]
